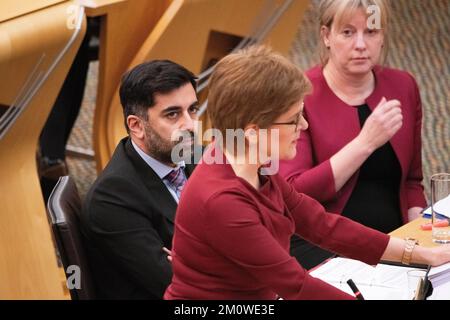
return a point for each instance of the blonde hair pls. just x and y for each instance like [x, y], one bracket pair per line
[253, 86]
[335, 12]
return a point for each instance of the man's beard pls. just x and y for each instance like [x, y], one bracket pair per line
[161, 149]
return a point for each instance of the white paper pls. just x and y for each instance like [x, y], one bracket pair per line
[439, 275]
[442, 207]
[339, 270]
[441, 292]
[382, 282]
[439, 270]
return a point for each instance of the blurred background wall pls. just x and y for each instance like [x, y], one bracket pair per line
[420, 34]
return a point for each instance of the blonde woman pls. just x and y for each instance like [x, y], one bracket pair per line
[361, 155]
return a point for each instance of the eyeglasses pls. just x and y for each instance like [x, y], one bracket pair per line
[292, 123]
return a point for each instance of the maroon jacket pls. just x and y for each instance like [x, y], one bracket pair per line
[333, 124]
[231, 241]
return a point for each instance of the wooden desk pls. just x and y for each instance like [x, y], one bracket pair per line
[95, 8]
[9, 11]
[412, 229]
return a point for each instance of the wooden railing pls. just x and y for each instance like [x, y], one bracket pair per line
[194, 33]
[37, 47]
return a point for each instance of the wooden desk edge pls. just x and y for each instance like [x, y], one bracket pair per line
[412, 230]
[95, 8]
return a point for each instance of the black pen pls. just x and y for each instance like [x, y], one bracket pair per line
[426, 284]
[355, 289]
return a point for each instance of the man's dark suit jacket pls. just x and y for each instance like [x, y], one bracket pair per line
[128, 216]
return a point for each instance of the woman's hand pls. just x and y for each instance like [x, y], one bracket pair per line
[414, 213]
[440, 255]
[382, 124]
[434, 256]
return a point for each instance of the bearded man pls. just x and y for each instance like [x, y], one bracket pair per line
[129, 212]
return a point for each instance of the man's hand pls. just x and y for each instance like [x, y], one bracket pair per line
[169, 254]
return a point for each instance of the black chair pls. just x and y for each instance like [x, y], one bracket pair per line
[64, 208]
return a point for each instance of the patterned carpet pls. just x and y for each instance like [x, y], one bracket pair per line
[84, 171]
[420, 44]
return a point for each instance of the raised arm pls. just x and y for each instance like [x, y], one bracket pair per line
[322, 181]
[380, 126]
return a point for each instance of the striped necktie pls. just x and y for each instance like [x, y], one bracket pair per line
[176, 180]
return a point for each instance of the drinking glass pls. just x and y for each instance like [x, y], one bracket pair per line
[440, 207]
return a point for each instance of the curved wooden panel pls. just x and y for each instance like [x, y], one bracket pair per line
[193, 33]
[124, 27]
[14, 9]
[28, 267]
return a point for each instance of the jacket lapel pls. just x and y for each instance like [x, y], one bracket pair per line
[397, 141]
[157, 190]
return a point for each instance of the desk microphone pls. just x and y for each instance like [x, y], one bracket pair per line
[355, 289]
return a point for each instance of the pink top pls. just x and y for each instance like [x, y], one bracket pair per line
[231, 241]
[333, 124]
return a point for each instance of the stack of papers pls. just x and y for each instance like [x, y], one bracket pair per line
[441, 293]
[439, 275]
[442, 207]
[382, 282]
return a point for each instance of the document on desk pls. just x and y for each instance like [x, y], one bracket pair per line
[381, 282]
[441, 292]
[440, 275]
[442, 207]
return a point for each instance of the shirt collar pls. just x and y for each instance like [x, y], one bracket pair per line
[161, 169]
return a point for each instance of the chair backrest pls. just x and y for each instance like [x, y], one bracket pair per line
[64, 208]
